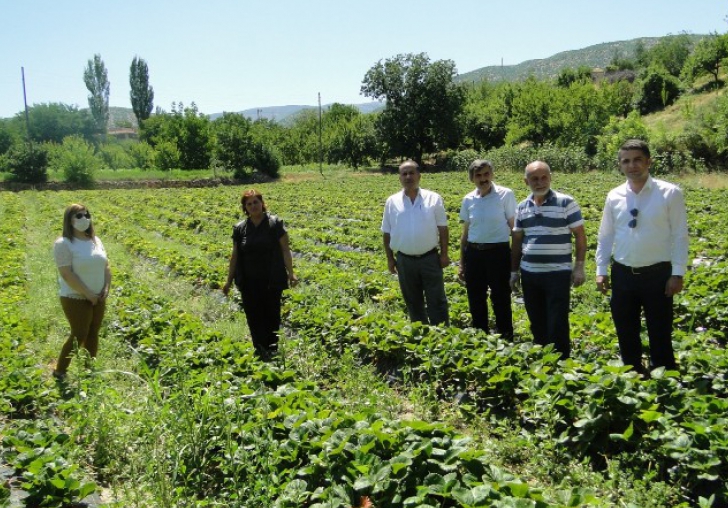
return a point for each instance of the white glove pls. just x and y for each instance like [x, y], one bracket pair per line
[578, 277]
[515, 281]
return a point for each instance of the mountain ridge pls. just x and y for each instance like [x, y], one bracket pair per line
[594, 56]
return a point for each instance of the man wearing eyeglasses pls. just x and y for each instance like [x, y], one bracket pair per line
[644, 232]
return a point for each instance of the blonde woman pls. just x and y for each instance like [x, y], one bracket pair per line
[84, 280]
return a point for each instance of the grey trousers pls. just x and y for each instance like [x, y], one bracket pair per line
[421, 282]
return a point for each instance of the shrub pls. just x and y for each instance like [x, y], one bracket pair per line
[656, 90]
[76, 160]
[27, 163]
[571, 159]
[458, 160]
[267, 160]
[142, 155]
[617, 131]
[115, 157]
[167, 156]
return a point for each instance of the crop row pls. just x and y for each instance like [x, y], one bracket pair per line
[232, 428]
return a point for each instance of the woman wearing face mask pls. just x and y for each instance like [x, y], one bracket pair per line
[84, 279]
[262, 268]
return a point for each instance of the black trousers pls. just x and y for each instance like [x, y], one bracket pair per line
[489, 270]
[546, 297]
[262, 306]
[633, 293]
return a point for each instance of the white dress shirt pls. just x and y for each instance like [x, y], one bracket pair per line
[660, 233]
[412, 226]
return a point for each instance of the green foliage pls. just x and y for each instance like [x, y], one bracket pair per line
[267, 160]
[569, 76]
[531, 119]
[458, 160]
[54, 121]
[670, 53]
[617, 131]
[7, 137]
[620, 62]
[656, 90]
[233, 141]
[27, 163]
[96, 79]
[423, 104]
[187, 129]
[707, 58]
[115, 156]
[350, 136]
[486, 113]
[142, 155]
[167, 155]
[76, 160]
[141, 93]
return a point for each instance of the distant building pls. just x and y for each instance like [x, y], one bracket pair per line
[124, 133]
[613, 76]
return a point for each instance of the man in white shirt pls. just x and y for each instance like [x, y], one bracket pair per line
[644, 232]
[487, 214]
[414, 225]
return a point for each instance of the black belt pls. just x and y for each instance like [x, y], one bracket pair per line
[418, 256]
[488, 246]
[639, 270]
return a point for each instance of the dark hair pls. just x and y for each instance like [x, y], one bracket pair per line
[479, 164]
[72, 210]
[410, 163]
[636, 144]
[251, 193]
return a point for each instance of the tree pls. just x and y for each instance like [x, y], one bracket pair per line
[656, 90]
[97, 83]
[27, 163]
[141, 94]
[54, 121]
[568, 76]
[423, 104]
[233, 141]
[707, 58]
[532, 117]
[670, 52]
[193, 139]
[486, 113]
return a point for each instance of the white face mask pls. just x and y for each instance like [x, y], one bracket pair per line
[81, 224]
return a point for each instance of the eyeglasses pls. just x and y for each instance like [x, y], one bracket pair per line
[87, 215]
[634, 213]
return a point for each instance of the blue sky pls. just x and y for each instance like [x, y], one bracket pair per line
[231, 55]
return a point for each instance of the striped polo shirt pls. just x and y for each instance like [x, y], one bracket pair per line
[547, 232]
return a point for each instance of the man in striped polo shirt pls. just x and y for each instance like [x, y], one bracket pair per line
[544, 225]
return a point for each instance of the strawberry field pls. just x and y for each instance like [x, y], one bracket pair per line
[362, 408]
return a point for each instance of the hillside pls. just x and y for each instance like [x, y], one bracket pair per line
[280, 113]
[599, 55]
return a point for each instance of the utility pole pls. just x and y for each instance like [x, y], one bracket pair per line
[321, 153]
[25, 102]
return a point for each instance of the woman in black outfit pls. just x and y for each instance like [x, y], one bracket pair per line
[262, 268]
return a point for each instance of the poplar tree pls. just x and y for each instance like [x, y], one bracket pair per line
[97, 83]
[141, 94]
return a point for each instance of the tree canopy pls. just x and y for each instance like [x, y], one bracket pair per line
[707, 58]
[423, 103]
